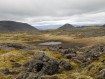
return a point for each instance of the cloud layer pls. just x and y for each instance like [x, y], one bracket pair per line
[46, 12]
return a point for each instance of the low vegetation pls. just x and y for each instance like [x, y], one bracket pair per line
[80, 56]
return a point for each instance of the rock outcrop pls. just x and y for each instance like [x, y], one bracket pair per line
[42, 65]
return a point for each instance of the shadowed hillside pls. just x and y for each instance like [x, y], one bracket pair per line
[66, 27]
[12, 26]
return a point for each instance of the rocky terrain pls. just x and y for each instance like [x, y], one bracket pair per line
[81, 54]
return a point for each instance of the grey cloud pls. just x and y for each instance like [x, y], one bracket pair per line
[49, 7]
[47, 11]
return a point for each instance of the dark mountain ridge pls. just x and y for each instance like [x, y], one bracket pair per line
[12, 26]
[66, 27]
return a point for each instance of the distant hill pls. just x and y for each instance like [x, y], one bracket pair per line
[103, 25]
[48, 27]
[66, 27]
[12, 26]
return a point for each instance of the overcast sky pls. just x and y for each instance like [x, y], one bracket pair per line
[47, 12]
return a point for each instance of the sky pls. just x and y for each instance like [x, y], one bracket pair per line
[53, 12]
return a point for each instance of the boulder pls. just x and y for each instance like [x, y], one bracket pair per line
[69, 56]
[51, 67]
[5, 71]
[65, 65]
[68, 53]
[40, 65]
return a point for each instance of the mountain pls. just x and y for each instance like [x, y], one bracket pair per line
[103, 25]
[66, 27]
[12, 26]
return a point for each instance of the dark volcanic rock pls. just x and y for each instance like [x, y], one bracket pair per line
[94, 52]
[65, 65]
[68, 53]
[42, 57]
[50, 67]
[16, 46]
[23, 76]
[41, 65]
[11, 46]
[5, 71]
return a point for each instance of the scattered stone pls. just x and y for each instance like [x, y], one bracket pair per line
[65, 65]
[51, 67]
[16, 46]
[69, 56]
[68, 53]
[40, 65]
[5, 71]
[16, 64]
[11, 46]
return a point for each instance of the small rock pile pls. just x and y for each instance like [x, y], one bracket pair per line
[42, 65]
[68, 53]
